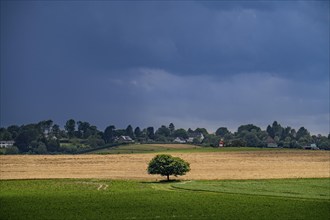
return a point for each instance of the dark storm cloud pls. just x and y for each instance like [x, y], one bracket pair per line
[245, 98]
[185, 37]
[219, 63]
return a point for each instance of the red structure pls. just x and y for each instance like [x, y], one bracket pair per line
[221, 143]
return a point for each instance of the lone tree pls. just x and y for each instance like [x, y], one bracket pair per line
[167, 165]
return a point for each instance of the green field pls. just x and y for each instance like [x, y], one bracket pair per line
[109, 199]
[163, 148]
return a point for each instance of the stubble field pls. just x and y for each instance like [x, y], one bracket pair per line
[204, 166]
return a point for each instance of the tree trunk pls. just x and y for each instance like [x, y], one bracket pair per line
[168, 177]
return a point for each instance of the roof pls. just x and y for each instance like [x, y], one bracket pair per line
[7, 142]
[270, 140]
[126, 138]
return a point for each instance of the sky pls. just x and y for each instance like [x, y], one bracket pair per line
[196, 64]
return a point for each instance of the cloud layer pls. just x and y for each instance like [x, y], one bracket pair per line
[205, 64]
[212, 102]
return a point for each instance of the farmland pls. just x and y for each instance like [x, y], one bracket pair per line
[124, 199]
[223, 184]
[169, 148]
[204, 165]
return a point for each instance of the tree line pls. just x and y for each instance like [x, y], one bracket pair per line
[47, 137]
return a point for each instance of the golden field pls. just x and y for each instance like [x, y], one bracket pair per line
[206, 165]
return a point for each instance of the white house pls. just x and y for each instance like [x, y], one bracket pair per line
[190, 140]
[311, 147]
[198, 136]
[125, 139]
[6, 144]
[180, 140]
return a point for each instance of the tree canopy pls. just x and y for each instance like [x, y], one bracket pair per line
[166, 165]
[47, 137]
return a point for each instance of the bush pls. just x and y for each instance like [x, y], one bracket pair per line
[67, 148]
[12, 150]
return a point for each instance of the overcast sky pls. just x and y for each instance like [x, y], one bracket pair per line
[196, 64]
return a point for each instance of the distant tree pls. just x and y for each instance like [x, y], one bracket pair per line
[53, 145]
[228, 137]
[222, 131]
[324, 143]
[56, 131]
[286, 133]
[13, 130]
[293, 134]
[95, 141]
[150, 132]
[196, 141]
[45, 126]
[162, 134]
[190, 132]
[275, 126]
[294, 144]
[302, 132]
[85, 129]
[143, 137]
[201, 131]
[287, 142]
[278, 129]
[237, 142]
[248, 127]
[270, 131]
[5, 135]
[129, 131]
[161, 138]
[137, 132]
[11, 150]
[182, 133]
[92, 131]
[70, 127]
[108, 135]
[120, 132]
[166, 165]
[172, 128]
[163, 131]
[39, 147]
[27, 134]
[263, 136]
[211, 140]
[252, 140]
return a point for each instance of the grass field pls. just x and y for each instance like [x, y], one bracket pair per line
[168, 148]
[119, 199]
[148, 148]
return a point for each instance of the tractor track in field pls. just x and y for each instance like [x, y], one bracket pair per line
[100, 186]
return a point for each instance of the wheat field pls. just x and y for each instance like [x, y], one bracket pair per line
[207, 166]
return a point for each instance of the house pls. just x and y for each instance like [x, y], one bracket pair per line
[221, 143]
[190, 140]
[271, 142]
[125, 139]
[180, 140]
[311, 147]
[6, 144]
[197, 135]
[201, 136]
[314, 147]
